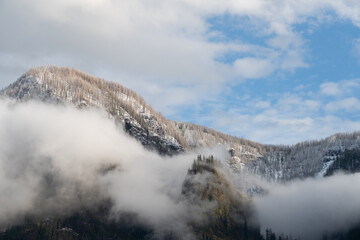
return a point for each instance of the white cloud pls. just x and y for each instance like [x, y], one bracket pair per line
[351, 84]
[308, 209]
[274, 127]
[162, 49]
[351, 104]
[253, 67]
[72, 148]
[331, 88]
[165, 42]
[340, 88]
[289, 118]
[262, 104]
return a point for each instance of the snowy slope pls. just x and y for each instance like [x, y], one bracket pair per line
[272, 162]
[306, 159]
[69, 86]
[129, 110]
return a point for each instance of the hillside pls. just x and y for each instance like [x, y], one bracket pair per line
[153, 130]
[228, 214]
[212, 210]
[70, 86]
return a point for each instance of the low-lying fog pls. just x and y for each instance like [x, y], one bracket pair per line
[312, 207]
[54, 157]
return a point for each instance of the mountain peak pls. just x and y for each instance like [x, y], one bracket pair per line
[70, 86]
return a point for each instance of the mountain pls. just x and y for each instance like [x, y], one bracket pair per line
[212, 207]
[217, 210]
[153, 130]
[70, 86]
[228, 212]
[305, 159]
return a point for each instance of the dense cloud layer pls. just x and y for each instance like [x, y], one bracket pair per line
[312, 207]
[55, 158]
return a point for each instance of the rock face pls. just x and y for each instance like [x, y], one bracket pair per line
[131, 112]
[347, 161]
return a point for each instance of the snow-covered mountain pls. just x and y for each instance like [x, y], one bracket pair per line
[70, 86]
[305, 159]
[276, 162]
[139, 119]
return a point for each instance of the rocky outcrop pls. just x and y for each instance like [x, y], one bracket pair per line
[227, 213]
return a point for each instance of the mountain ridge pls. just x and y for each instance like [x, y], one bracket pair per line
[273, 162]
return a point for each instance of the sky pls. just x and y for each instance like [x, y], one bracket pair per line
[279, 71]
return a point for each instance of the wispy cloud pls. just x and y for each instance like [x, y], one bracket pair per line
[293, 117]
[348, 105]
[339, 88]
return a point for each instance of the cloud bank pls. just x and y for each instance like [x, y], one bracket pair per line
[54, 159]
[311, 208]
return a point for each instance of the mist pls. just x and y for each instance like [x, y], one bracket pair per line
[55, 158]
[311, 208]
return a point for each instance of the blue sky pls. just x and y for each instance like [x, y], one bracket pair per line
[271, 71]
[332, 61]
